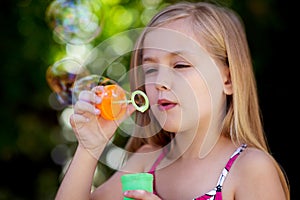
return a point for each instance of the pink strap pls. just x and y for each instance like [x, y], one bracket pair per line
[152, 170]
[160, 157]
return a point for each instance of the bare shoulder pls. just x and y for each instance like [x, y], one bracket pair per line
[253, 158]
[255, 174]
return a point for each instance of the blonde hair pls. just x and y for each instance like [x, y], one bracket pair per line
[225, 40]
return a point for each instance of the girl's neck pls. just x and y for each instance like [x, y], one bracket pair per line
[195, 144]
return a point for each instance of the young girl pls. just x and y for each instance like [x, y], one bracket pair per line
[202, 135]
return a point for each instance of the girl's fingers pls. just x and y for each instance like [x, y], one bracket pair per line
[141, 195]
[89, 96]
[75, 119]
[82, 107]
[98, 88]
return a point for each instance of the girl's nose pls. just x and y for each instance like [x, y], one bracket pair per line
[164, 79]
[162, 86]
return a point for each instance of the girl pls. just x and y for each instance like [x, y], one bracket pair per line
[202, 135]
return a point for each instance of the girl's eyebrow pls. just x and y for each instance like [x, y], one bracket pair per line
[171, 54]
[148, 59]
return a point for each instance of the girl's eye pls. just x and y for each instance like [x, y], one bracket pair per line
[150, 70]
[180, 66]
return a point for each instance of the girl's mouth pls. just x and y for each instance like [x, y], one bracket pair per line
[165, 105]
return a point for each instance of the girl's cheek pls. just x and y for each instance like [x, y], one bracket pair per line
[151, 94]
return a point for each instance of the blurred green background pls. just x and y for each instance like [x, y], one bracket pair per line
[36, 143]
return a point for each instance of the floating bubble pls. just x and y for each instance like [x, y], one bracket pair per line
[89, 82]
[61, 77]
[75, 21]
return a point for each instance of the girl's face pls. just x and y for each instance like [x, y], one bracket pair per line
[182, 82]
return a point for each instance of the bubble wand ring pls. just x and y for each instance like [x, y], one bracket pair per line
[144, 107]
[141, 108]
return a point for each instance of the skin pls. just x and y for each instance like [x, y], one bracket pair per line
[253, 175]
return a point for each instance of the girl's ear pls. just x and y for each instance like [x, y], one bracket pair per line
[227, 85]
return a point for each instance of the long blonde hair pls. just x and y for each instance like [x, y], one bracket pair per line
[226, 42]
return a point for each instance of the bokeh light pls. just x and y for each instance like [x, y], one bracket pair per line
[60, 154]
[115, 157]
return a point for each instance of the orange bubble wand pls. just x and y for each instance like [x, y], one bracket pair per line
[114, 102]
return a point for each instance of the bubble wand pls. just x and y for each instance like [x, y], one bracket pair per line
[114, 101]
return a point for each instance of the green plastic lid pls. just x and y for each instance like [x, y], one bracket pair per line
[137, 181]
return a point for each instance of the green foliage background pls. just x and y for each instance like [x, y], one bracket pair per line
[30, 128]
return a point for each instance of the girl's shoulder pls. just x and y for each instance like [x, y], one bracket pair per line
[255, 170]
[254, 160]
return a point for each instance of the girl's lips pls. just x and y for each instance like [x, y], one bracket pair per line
[164, 104]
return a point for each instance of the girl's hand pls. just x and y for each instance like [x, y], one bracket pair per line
[141, 195]
[92, 131]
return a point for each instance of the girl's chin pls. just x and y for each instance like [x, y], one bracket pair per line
[171, 130]
[170, 126]
[169, 121]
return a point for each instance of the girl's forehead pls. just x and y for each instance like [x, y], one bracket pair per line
[173, 41]
[179, 41]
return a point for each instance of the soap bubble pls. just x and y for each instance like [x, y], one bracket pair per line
[75, 21]
[89, 82]
[61, 77]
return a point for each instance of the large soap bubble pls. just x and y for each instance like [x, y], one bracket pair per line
[75, 21]
[61, 77]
